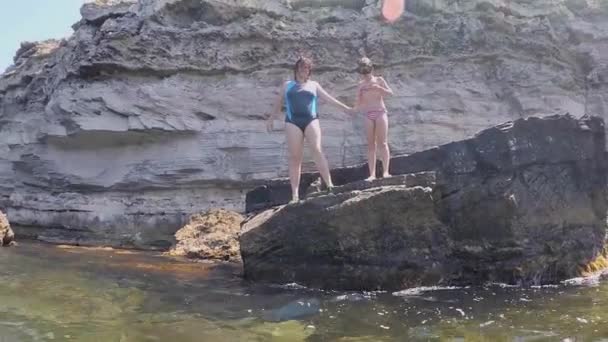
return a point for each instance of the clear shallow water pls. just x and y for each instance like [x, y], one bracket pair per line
[49, 293]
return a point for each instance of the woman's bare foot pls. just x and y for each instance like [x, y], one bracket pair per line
[370, 178]
[294, 199]
[386, 175]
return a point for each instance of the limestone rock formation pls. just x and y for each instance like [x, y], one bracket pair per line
[212, 235]
[7, 236]
[152, 110]
[523, 202]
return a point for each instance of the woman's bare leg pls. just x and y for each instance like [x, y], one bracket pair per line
[295, 144]
[313, 136]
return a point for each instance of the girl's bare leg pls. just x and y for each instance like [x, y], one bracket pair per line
[382, 143]
[370, 128]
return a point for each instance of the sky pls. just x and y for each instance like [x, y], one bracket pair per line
[34, 20]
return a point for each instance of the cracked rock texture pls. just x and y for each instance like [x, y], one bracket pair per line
[152, 109]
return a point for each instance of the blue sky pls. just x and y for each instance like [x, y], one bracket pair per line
[33, 20]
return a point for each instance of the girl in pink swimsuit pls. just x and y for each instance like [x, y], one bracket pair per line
[370, 100]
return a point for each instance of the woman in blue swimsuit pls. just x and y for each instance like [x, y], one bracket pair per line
[300, 99]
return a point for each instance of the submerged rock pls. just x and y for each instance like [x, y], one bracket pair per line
[296, 309]
[6, 233]
[210, 235]
[522, 202]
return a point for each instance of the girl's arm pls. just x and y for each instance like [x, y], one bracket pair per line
[358, 101]
[383, 86]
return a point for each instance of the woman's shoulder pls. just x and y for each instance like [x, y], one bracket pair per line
[285, 84]
[315, 83]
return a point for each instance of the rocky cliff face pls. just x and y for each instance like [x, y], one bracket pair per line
[153, 109]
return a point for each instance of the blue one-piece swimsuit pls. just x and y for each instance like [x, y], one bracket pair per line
[301, 105]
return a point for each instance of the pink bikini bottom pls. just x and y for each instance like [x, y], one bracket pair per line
[374, 114]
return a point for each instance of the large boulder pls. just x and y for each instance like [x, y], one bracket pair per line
[6, 233]
[383, 234]
[522, 202]
[211, 235]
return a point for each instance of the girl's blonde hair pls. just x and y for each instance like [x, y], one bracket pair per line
[365, 65]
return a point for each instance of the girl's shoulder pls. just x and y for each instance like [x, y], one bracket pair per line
[363, 84]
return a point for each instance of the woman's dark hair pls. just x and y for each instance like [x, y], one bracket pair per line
[305, 61]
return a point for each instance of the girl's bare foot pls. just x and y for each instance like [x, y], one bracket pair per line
[294, 199]
[370, 178]
[386, 175]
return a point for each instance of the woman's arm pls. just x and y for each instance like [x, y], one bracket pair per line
[326, 97]
[276, 108]
[278, 104]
